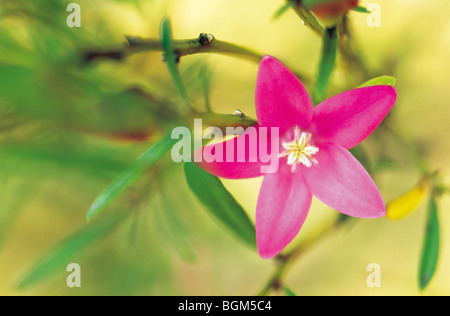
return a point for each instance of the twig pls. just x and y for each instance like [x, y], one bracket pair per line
[205, 43]
[286, 261]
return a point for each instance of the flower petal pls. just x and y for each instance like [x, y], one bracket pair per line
[281, 99]
[246, 156]
[342, 183]
[283, 205]
[350, 117]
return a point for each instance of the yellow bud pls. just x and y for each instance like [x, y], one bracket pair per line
[408, 202]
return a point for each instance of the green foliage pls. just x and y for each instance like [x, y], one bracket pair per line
[327, 62]
[130, 175]
[380, 81]
[361, 9]
[282, 10]
[57, 259]
[76, 125]
[430, 253]
[220, 203]
[288, 291]
[10, 206]
[172, 59]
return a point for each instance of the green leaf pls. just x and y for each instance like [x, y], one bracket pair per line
[430, 253]
[380, 81]
[172, 59]
[329, 52]
[288, 291]
[64, 253]
[361, 9]
[220, 203]
[282, 10]
[130, 175]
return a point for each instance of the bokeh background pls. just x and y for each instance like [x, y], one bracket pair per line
[65, 131]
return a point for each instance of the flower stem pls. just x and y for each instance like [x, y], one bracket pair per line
[285, 262]
[327, 63]
[347, 47]
[205, 43]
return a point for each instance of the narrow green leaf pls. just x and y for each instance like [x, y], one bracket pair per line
[288, 291]
[282, 10]
[172, 59]
[130, 175]
[220, 203]
[329, 52]
[361, 9]
[380, 81]
[57, 259]
[430, 251]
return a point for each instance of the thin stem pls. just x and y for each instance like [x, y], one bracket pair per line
[285, 262]
[347, 47]
[205, 43]
[327, 63]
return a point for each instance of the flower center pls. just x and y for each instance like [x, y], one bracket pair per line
[300, 150]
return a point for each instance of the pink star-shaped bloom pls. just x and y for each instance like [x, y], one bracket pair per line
[313, 154]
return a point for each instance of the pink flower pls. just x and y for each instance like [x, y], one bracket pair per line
[314, 159]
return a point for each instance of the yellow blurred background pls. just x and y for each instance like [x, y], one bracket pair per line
[413, 45]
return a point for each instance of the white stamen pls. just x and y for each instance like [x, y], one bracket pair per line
[300, 150]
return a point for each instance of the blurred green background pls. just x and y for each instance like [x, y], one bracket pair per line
[68, 128]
